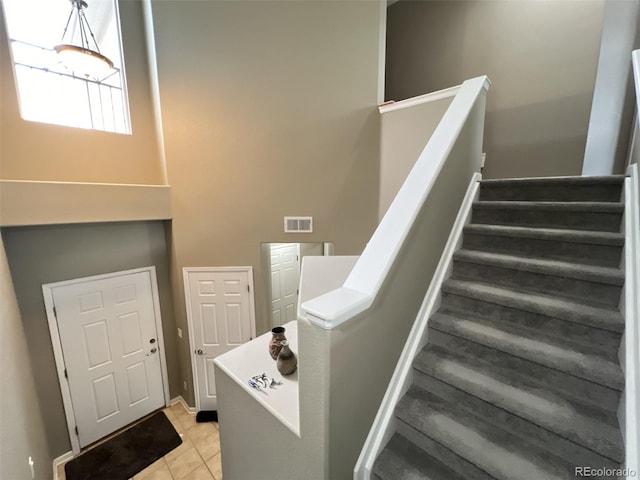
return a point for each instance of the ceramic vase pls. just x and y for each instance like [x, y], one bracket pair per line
[275, 343]
[287, 361]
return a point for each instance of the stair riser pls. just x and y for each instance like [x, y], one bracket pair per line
[441, 453]
[529, 431]
[588, 254]
[551, 193]
[590, 293]
[605, 342]
[576, 220]
[579, 389]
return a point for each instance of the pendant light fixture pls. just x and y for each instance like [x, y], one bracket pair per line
[75, 51]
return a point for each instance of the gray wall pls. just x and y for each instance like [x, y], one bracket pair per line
[39, 255]
[269, 109]
[541, 57]
[22, 432]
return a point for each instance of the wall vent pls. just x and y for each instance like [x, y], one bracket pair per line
[298, 224]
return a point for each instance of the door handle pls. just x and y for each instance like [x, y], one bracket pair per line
[154, 350]
[199, 352]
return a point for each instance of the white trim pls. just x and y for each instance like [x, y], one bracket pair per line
[419, 100]
[179, 399]
[64, 458]
[187, 293]
[383, 425]
[635, 59]
[365, 280]
[382, 50]
[632, 322]
[47, 292]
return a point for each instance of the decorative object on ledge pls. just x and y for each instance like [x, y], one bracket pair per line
[76, 53]
[275, 344]
[287, 361]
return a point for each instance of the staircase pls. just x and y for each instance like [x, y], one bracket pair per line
[520, 378]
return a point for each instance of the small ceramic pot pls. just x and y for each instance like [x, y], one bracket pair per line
[275, 342]
[287, 361]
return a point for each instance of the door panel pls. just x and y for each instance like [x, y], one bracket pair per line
[285, 276]
[114, 373]
[219, 319]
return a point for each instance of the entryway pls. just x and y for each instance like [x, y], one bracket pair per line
[221, 316]
[107, 339]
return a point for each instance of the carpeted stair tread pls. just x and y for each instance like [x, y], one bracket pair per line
[578, 389]
[604, 341]
[607, 207]
[402, 460]
[605, 318]
[501, 454]
[604, 189]
[535, 346]
[527, 398]
[574, 236]
[563, 180]
[581, 246]
[529, 431]
[592, 273]
[588, 216]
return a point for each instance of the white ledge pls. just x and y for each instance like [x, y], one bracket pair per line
[419, 100]
[333, 308]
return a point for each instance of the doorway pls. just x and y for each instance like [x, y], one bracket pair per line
[220, 316]
[108, 345]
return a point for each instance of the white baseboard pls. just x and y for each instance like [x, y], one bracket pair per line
[65, 457]
[180, 400]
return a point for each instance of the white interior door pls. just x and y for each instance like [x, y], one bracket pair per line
[107, 331]
[220, 312]
[285, 277]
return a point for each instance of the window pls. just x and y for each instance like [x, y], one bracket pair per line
[50, 93]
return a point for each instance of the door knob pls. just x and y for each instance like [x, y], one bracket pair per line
[153, 340]
[154, 350]
[199, 352]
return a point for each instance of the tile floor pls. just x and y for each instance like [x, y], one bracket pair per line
[197, 458]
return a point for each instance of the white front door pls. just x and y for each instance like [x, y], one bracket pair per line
[220, 313]
[107, 331]
[285, 276]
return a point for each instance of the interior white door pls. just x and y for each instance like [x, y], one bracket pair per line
[107, 330]
[285, 277]
[220, 318]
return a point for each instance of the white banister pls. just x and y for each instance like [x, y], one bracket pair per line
[372, 268]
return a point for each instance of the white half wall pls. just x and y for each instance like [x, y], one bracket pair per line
[613, 97]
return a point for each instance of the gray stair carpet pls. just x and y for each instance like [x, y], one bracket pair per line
[520, 377]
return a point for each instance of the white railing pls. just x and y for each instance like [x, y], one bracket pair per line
[631, 414]
[372, 269]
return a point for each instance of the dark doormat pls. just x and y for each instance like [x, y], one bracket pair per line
[207, 416]
[127, 453]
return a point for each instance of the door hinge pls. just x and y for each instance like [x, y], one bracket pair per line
[55, 312]
[248, 288]
[66, 375]
[77, 431]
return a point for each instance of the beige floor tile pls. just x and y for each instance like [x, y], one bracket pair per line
[157, 465]
[215, 466]
[184, 464]
[186, 444]
[200, 473]
[161, 473]
[208, 447]
[187, 420]
[200, 431]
